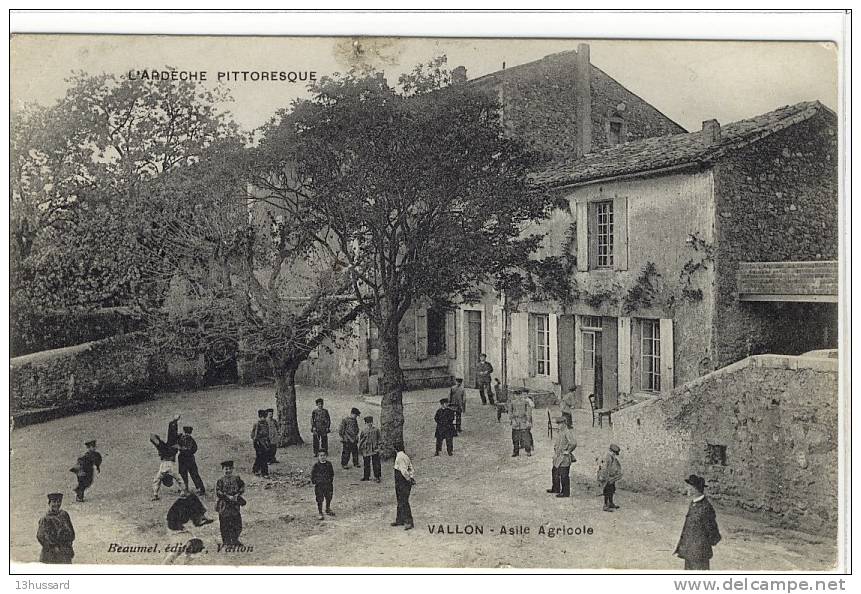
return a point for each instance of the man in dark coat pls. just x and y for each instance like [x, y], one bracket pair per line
[321, 424]
[187, 508]
[56, 533]
[187, 464]
[445, 427]
[229, 490]
[323, 479]
[86, 467]
[483, 373]
[349, 434]
[262, 445]
[700, 532]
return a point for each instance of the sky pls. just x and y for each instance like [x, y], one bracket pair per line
[689, 81]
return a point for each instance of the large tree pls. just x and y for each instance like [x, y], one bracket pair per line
[77, 171]
[416, 187]
[232, 283]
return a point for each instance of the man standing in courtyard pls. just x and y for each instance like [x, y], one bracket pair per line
[484, 372]
[445, 430]
[700, 532]
[404, 480]
[86, 467]
[187, 463]
[349, 434]
[520, 414]
[229, 490]
[457, 398]
[260, 439]
[563, 456]
[273, 435]
[369, 448]
[609, 473]
[321, 424]
[56, 533]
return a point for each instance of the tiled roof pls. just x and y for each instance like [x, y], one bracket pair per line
[669, 151]
[787, 278]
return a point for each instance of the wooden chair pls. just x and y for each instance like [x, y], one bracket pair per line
[600, 413]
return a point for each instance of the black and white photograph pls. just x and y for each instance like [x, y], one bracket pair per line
[413, 302]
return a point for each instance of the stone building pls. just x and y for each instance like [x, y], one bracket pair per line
[686, 253]
[563, 106]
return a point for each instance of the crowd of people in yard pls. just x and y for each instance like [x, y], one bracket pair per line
[177, 464]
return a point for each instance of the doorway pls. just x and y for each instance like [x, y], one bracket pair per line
[473, 348]
[593, 360]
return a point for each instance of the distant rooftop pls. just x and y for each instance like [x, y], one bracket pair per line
[815, 281]
[678, 149]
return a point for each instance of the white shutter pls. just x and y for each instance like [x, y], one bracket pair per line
[520, 347]
[578, 352]
[461, 330]
[451, 334]
[421, 333]
[582, 237]
[666, 355]
[554, 348]
[620, 233]
[624, 340]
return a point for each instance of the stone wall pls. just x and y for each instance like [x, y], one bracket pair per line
[763, 432]
[775, 200]
[111, 369]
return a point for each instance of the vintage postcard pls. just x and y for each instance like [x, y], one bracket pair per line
[453, 303]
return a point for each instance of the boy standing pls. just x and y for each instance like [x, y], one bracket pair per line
[56, 533]
[610, 471]
[323, 477]
[273, 435]
[84, 467]
[187, 463]
[369, 447]
[445, 428]
[229, 490]
[700, 532]
[520, 415]
[457, 398]
[501, 400]
[320, 425]
[260, 438]
[349, 434]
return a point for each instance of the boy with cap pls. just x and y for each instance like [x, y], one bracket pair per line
[457, 398]
[166, 473]
[273, 435]
[229, 490]
[260, 439]
[700, 532]
[610, 471]
[187, 447]
[369, 448]
[84, 469]
[187, 507]
[445, 427]
[563, 456]
[323, 477]
[56, 533]
[349, 434]
[320, 426]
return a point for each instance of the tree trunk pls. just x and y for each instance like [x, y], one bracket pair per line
[391, 387]
[285, 401]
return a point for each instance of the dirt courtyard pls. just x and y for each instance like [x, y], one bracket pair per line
[492, 509]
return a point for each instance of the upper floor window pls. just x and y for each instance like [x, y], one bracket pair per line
[603, 244]
[614, 133]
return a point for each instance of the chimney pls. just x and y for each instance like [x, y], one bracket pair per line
[711, 133]
[583, 99]
[458, 75]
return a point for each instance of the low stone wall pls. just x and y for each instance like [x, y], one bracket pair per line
[109, 369]
[763, 432]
